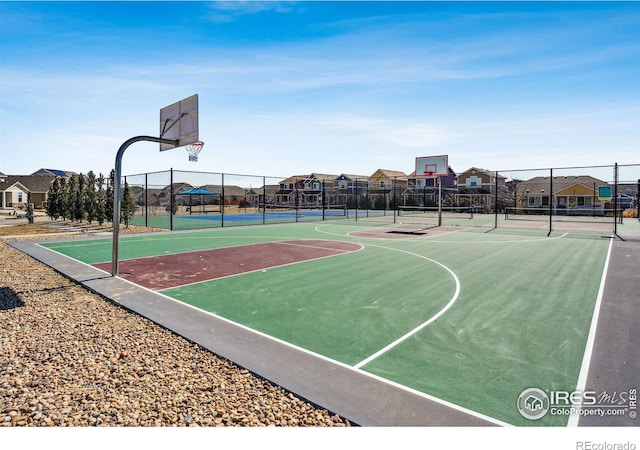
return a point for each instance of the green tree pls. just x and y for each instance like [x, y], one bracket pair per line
[109, 196]
[78, 198]
[53, 200]
[29, 213]
[70, 188]
[128, 207]
[101, 201]
[90, 198]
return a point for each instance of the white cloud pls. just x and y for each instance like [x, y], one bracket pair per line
[225, 12]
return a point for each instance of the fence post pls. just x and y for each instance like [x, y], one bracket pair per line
[615, 199]
[495, 202]
[222, 202]
[171, 199]
[323, 203]
[146, 199]
[550, 202]
[264, 200]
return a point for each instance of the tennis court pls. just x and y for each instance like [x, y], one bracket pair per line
[465, 318]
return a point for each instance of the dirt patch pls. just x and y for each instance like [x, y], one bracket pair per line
[60, 227]
[24, 229]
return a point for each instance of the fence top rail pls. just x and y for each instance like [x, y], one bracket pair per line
[365, 179]
[601, 166]
[229, 174]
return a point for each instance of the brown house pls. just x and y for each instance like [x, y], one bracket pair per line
[478, 188]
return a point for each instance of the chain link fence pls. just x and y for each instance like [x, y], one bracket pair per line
[577, 200]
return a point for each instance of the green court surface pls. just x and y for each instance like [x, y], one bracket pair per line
[469, 317]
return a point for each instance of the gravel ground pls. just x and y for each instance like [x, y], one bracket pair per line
[70, 358]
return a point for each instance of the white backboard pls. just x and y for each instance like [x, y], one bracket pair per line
[432, 166]
[179, 121]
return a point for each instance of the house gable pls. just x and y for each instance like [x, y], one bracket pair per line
[576, 189]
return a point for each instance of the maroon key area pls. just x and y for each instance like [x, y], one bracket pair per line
[166, 271]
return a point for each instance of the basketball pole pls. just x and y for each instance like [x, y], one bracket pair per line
[117, 193]
[439, 179]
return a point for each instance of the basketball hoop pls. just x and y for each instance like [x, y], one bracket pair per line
[193, 150]
[428, 174]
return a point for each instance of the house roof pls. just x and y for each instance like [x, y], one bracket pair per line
[489, 173]
[52, 173]
[389, 173]
[349, 176]
[30, 182]
[452, 173]
[294, 178]
[537, 184]
[322, 177]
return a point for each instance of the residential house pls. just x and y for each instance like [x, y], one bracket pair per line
[267, 194]
[288, 194]
[16, 189]
[317, 190]
[386, 188]
[312, 191]
[566, 194]
[350, 189]
[423, 191]
[478, 188]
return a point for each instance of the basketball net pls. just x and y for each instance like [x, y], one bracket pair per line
[193, 150]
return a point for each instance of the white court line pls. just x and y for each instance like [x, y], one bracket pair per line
[588, 351]
[422, 325]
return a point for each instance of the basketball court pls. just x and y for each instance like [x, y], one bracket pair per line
[385, 324]
[412, 319]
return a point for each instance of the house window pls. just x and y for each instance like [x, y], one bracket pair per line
[581, 201]
[383, 184]
[19, 197]
[473, 181]
[562, 202]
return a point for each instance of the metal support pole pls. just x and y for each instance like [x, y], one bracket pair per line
[439, 180]
[264, 200]
[117, 193]
[394, 202]
[222, 202]
[615, 199]
[550, 202]
[495, 202]
[171, 199]
[323, 199]
[638, 198]
[146, 199]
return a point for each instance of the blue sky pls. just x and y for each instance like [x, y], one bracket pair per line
[331, 87]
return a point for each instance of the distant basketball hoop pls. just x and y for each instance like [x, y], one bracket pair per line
[194, 150]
